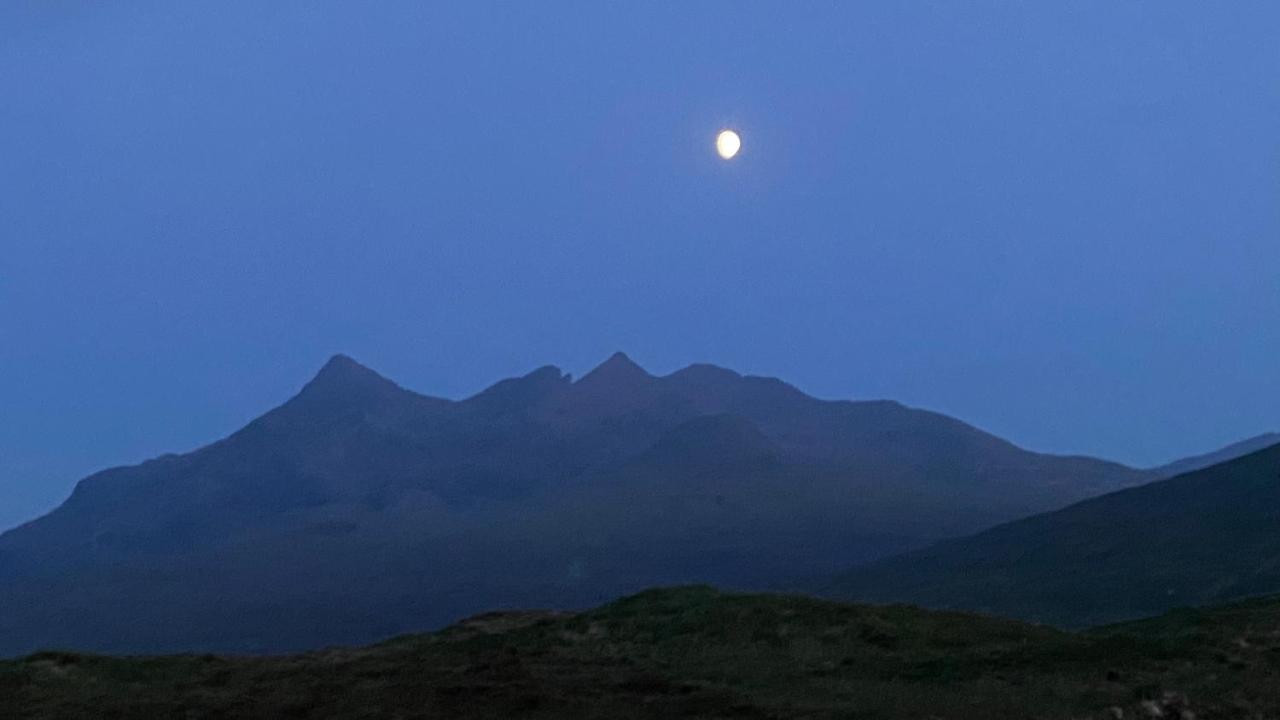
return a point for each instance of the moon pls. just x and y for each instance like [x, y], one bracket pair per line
[728, 143]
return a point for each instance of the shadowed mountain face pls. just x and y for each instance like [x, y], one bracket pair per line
[1203, 537]
[359, 509]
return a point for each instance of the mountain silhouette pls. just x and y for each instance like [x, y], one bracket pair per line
[1203, 537]
[359, 509]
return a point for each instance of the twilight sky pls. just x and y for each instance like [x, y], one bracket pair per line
[1057, 221]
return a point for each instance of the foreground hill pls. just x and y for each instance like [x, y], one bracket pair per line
[358, 509]
[1207, 536]
[697, 653]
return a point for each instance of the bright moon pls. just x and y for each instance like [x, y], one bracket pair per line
[727, 143]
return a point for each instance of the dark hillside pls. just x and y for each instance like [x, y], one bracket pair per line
[1205, 537]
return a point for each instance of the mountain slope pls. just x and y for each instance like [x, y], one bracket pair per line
[697, 653]
[359, 509]
[1221, 455]
[1202, 537]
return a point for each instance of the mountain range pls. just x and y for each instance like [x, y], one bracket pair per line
[359, 509]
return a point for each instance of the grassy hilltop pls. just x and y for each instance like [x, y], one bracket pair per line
[699, 653]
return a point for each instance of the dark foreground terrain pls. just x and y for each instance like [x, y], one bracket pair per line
[696, 652]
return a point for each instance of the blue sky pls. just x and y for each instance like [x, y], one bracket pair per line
[1058, 221]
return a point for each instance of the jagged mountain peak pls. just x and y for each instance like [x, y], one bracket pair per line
[342, 367]
[531, 388]
[617, 370]
[344, 381]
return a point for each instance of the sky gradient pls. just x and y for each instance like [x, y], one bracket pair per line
[1057, 221]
